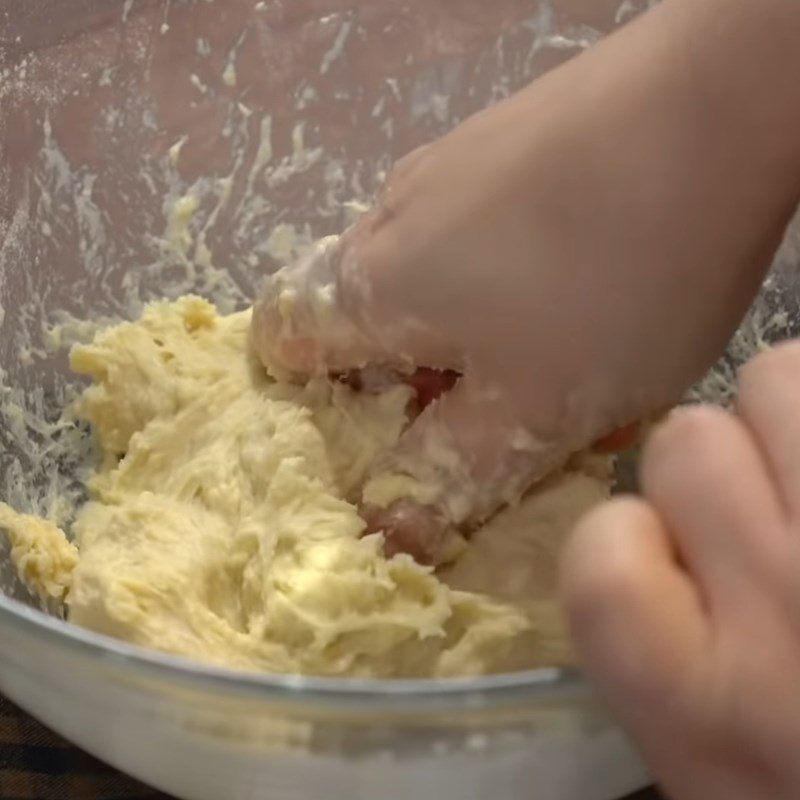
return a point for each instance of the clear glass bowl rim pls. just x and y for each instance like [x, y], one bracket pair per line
[550, 686]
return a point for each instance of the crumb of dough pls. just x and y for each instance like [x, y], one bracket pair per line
[41, 554]
[221, 526]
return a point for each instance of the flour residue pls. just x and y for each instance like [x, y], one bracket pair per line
[131, 180]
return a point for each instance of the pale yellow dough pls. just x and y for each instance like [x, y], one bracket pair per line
[220, 529]
[43, 557]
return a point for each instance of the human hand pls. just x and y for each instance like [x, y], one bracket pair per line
[686, 603]
[579, 254]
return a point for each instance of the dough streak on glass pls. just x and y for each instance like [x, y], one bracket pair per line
[221, 524]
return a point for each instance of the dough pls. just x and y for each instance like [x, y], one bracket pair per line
[220, 525]
[514, 559]
[43, 557]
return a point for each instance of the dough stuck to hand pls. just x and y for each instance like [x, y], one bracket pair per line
[221, 528]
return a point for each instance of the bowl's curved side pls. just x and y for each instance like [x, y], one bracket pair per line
[280, 119]
[201, 744]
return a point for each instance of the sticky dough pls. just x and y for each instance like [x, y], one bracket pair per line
[221, 527]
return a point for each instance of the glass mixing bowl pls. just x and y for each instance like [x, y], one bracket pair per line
[154, 147]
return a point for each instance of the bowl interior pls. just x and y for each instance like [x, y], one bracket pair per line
[153, 149]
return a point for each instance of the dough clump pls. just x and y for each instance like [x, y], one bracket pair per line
[221, 524]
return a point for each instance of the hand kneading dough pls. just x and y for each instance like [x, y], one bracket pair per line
[219, 526]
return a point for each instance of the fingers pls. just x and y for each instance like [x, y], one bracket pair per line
[337, 309]
[463, 458]
[637, 619]
[703, 471]
[769, 402]
[304, 319]
[466, 455]
[674, 597]
[408, 527]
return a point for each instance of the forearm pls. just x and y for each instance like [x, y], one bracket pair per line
[714, 83]
[721, 77]
[746, 60]
[682, 134]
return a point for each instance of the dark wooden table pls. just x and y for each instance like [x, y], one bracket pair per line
[35, 764]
